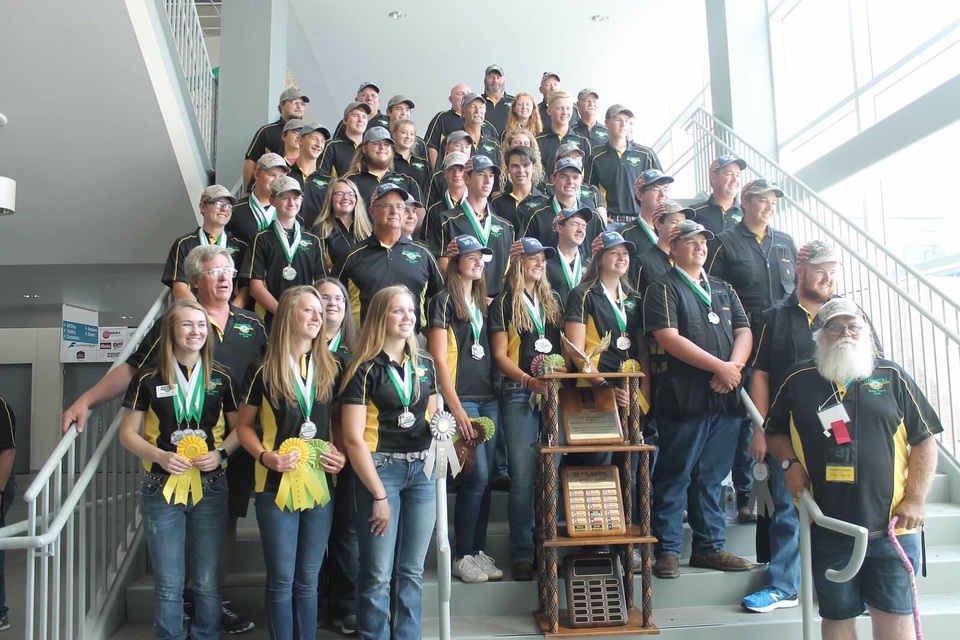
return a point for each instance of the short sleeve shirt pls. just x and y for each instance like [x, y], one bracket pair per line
[589, 305]
[456, 222]
[472, 377]
[521, 343]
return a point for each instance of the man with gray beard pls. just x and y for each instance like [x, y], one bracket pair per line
[856, 430]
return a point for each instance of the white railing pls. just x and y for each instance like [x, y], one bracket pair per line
[918, 324]
[80, 527]
[188, 37]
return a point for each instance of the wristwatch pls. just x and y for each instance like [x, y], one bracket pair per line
[789, 462]
[223, 454]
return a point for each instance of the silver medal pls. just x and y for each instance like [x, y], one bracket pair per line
[406, 420]
[760, 471]
[713, 318]
[289, 273]
[177, 437]
[543, 345]
[476, 351]
[308, 430]
[623, 343]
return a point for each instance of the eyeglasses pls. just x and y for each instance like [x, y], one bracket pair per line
[222, 206]
[399, 208]
[334, 299]
[218, 272]
[837, 329]
[344, 195]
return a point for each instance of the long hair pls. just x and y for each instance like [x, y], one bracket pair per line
[534, 124]
[538, 177]
[348, 328]
[455, 285]
[362, 227]
[399, 123]
[541, 288]
[166, 360]
[277, 373]
[359, 161]
[374, 330]
[592, 276]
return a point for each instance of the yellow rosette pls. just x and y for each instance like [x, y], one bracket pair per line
[186, 485]
[632, 366]
[299, 489]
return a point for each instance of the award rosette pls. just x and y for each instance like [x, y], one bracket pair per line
[300, 489]
[443, 427]
[543, 365]
[186, 485]
[633, 366]
[318, 447]
[760, 497]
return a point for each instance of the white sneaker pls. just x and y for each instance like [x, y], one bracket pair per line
[467, 569]
[637, 561]
[488, 566]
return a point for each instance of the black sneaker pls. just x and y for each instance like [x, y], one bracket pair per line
[348, 624]
[5, 622]
[231, 623]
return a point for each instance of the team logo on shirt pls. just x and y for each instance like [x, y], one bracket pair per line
[418, 165]
[320, 183]
[215, 383]
[305, 244]
[397, 180]
[736, 217]
[600, 135]
[634, 161]
[232, 250]
[412, 256]
[630, 305]
[488, 147]
[422, 373]
[244, 329]
[496, 230]
[876, 385]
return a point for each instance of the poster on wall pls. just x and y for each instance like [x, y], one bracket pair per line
[79, 336]
[111, 342]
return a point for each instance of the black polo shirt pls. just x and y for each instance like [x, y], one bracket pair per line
[887, 412]
[281, 421]
[416, 168]
[373, 266]
[472, 378]
[371, 386]
[314, 193]
[161, 419]
[510, 209]
[497, 113]
[488, 145]
[175, 271]
[597, 136]
[267, 139]
[376, 120]
[540, 225]
[431, 232]
[8, 427]
[643, 237]
[651, 265]
[446, 122]
[762, 273]
[502, 234]
[713, 217]
[549, 142]
[243, 223]
[367, 184]
[614, 173]
[267, 262]
[338, 245]
[520, 344]
[525, 209]
[560, 280]
[337, 157]
[588, 195]
[589, 305]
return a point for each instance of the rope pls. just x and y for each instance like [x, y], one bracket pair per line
[910, 572]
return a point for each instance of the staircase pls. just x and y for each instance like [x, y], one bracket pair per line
[684, 608]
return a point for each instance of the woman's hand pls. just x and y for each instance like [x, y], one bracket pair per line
[623, 397]
[464, 426]
[380, 518]
[537, 385]
[208, 461]
[282, 463]
[173, 464]
[332, 462]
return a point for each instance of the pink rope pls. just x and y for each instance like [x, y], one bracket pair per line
[910, 572]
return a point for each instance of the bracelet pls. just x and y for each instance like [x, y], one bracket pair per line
[260, 459]
[380, 499]
[523, 379]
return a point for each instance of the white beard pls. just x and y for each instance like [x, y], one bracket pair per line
[847, 359]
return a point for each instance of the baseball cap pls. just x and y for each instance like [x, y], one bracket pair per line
[836, 307]
[293, 124]
[547, 74]
[529, 246]
[479, 163]
[586, 92]
[456, 136]
[617, 109]
[688, 229]
[398, 99]
[569, 147]
[651, 176]
[315, 126]
[284, 184]
[817, 252]
[387, 187]
[610, 239]
[377, 134]
[215, 192]
[357, 105]
[292, 93]
[569, 163]
[726, 159]
[465, 243]
[364, 85]
[271, 160]
[455, 159]
[672, 206]
[761, 186]
[494, 68]
[584, 213]
[470, 97]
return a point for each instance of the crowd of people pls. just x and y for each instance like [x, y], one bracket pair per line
[368, 272]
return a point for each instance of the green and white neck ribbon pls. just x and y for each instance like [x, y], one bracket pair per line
[617, 305]
[482, 230]
[289, 248]
[205, 239]
[572, 275]
[404, 384]
[188, 401]
[557, 208]
[304, 389]
[476, 319]
[704, 294]
[647, 231]
[264, 215]
[536, 313]
[334, 343]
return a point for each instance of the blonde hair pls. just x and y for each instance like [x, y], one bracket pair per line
[166, 365]
[557, 95]
[362, 227]
[592, 276]
[277, 374]
[534, 123]
[541, 289]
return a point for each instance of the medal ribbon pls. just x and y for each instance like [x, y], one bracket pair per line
[188, 402]
[446, 196]
[334, 343]
[536, 313]
[403, 385]
[483, 230]
[646, 229]
[204, 240]
[289, 250]
[476, 319]
[181, 488]
[573, 276]
[703, 293]
[305, 390]
[617, 305]
[264, 215]
[306, 486]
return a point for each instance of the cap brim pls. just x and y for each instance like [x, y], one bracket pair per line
[633, 247]
[709, 235]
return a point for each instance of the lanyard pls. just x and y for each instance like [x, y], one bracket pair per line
[264, 215]
[536, 312]
[704, 294]
[646, 229]
[617, 305]
[305, 390]
[483, 230]
[188, 403]
[573, 276]
[557, 208]
[204, 240]
[403, 385]
[476, 319]
[334, 343]
[289, 249]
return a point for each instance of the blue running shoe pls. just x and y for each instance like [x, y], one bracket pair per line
[768, 599]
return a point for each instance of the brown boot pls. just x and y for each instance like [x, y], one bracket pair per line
[667, 566]
[721, 561]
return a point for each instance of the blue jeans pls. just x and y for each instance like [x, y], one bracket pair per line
[521, 427]
[9, 493]
[783, 572]
[165, 527]
[471, 512]
[696, 454]
[293, 546]
[413, 514]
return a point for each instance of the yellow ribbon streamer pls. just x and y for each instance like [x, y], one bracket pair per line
[632, 366]
[186, 485]
[299, 489]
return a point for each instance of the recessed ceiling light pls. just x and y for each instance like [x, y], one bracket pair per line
[126, 317]
[397, 15]
[29, 296]
[599, 18]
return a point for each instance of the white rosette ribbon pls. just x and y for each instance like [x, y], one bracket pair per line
[442, 453]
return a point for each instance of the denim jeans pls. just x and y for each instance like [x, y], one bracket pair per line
[521, 427]
[696, 454]
[344, 552]
[293, 546]
[165, 527]
[9, 493]
[413, 514]
[783, 572]
[471, 512]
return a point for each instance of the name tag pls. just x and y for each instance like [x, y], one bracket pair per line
[840, 464]
[166, 390]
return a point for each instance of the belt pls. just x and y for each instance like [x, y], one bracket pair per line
[411, 456]
[209, 478]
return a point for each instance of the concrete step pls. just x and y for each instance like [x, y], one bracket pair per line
[939, 488]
